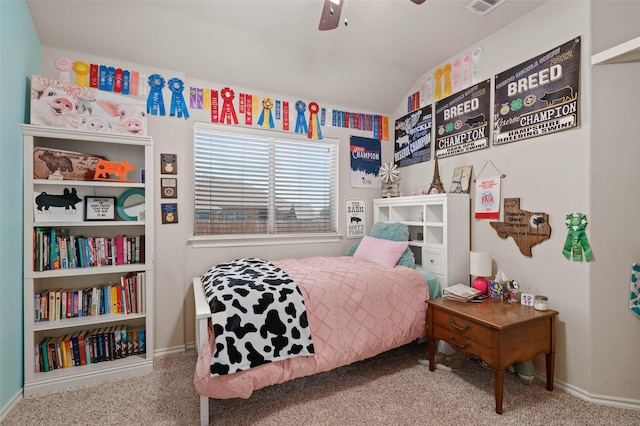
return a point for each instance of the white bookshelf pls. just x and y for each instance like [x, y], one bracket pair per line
[138, 151]
[439, 228]
[628, 51]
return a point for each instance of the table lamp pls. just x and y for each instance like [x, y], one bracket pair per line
[480, 266]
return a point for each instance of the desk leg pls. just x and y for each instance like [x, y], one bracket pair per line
[550, 357]
[498, 382]
[432, 353]
[549, 360]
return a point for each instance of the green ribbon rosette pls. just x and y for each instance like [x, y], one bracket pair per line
[576, 240]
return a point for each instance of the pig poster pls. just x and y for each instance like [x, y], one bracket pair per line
[413, 137]
[462, 121]
[539, 96]
[59, 104]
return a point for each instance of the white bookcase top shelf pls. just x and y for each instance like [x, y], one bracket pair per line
[626, 52]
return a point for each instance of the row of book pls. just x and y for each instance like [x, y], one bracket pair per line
[55, 249]
[126, 297]
[89, 347]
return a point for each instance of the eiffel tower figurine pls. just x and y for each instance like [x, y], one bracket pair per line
[436, 184]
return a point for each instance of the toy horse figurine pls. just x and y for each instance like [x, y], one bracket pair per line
[105, 168]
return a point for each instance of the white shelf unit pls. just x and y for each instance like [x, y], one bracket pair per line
[626, 52]
[138, 151]
[439, 228]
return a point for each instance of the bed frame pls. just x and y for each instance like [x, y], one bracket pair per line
[202, 315]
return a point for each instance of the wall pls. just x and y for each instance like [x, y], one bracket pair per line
[615, 193]
[19, 57]
[562, 173]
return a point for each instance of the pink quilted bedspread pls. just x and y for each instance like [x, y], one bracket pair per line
[356, 310]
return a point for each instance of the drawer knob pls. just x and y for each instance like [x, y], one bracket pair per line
[460, 345]
[457, 327]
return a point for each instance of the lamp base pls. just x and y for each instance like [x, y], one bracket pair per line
[480, 283]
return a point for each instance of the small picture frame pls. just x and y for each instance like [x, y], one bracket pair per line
[461, 180]
[99, 208]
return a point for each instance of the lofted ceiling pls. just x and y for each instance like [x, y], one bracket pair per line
[275, 45]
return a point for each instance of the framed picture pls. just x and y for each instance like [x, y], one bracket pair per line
[461, 180]
[99, 208]
[58, 204]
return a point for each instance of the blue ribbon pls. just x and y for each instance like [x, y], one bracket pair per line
[155, 101]
[126, 82]
[301, 122]
[178, 105]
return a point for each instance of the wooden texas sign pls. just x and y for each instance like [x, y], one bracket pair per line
[526, 228]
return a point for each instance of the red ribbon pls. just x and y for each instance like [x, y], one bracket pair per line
[93, 75]
[315, 131]
[117, 87]
[228, 112]
[248, 109]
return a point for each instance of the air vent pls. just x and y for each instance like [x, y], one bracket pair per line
[482, 7]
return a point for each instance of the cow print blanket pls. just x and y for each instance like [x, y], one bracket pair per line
[258, 315]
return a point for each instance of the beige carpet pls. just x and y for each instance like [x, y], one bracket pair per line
[391, 389]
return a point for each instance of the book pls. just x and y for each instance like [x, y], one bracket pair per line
[82, 352]
[460, 292]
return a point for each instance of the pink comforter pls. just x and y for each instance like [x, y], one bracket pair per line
[356, 310]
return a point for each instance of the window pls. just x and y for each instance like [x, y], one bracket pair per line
[258, 182]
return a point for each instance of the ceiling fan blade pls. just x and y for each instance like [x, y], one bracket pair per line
[418, 1]
[330, 18]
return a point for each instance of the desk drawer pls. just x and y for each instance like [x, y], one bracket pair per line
[433, 260]
[463, 330]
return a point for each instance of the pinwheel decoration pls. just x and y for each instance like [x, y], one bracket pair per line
[389, 173]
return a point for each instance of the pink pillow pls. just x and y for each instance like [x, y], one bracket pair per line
[383, 252]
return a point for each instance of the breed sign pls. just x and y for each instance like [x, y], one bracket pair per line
[539, 96]
[462, 121]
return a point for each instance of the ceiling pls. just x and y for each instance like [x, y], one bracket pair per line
[274, 45]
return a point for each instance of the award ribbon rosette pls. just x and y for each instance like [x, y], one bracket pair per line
[228, 112]
[576, 240]
[81, 69]
[178, 105]
[267, 105]
[301, 122]
[64, 65]
[315, 132]
[155, 103]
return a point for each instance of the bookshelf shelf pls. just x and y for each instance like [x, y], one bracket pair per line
[128, 277]
[84, 321]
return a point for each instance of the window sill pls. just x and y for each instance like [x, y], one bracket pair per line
[261, 240]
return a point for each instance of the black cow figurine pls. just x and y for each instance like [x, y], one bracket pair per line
[68, 200]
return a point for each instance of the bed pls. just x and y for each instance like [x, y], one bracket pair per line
[355, 309]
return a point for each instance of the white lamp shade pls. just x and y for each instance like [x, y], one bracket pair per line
[480, 263]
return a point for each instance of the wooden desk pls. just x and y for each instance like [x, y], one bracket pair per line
[498, 332]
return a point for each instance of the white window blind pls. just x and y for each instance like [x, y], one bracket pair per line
[263, 182]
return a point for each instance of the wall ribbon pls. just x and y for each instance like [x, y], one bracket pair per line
[178, 105]
[576, 240]
[81, 69]
[228, 112]
[267, 104]
[155, 102]
[315, 132]
[301, 122]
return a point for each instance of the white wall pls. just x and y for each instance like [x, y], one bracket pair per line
[615, 195]
[562, 173]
